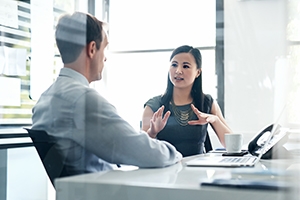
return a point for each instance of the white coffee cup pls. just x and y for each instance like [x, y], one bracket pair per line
[233, 142]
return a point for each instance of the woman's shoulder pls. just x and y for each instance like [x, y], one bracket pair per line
[208, 101]
[154, 103]
[208, 97]
[155, 99]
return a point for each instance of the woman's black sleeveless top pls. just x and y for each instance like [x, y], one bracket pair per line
[189, 139]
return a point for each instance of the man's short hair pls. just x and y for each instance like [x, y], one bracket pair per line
[74, 32]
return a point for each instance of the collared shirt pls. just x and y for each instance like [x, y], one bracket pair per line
[91, 135]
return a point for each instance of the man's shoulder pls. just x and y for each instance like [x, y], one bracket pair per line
[69, 90]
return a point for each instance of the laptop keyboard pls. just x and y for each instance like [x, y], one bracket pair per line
[235, 160]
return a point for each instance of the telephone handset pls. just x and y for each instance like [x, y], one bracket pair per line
[276, 143]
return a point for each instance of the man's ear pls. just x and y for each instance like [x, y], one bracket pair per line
[91, 49]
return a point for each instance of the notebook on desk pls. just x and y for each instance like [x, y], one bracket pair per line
[245, 161]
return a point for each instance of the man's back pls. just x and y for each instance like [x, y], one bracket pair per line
[88, 128]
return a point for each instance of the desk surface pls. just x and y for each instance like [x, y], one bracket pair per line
[176, 182]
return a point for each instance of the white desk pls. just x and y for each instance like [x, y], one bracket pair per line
[176, 182]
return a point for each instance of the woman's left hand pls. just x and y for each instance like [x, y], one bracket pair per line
[203, 118]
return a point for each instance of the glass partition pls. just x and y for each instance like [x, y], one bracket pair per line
[24, 77]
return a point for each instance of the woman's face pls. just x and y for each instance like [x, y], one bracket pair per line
[183, 70]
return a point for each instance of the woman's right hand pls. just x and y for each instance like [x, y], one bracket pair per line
[158, 122]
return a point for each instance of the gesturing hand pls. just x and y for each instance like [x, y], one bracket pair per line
[203, 118]
[158, 122]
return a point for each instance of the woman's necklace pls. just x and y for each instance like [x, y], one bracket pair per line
[181, 116]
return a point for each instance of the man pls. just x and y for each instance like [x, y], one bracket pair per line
[90, 134]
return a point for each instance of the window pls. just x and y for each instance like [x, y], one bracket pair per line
[293, 61]
[17, 38]
[142, 36]
[35, 33]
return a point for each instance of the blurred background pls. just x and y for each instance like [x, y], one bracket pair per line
[250, 51]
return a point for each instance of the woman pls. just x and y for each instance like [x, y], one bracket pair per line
[184, 110]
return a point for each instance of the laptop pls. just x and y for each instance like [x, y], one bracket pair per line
[213, 160]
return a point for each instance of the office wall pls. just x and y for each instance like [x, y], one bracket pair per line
[254, 41]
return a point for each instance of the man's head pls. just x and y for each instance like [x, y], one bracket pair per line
[78, 32]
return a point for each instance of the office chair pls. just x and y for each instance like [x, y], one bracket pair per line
[207, 143]
[50, 157]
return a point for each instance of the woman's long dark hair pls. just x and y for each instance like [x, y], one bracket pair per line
[197, 93]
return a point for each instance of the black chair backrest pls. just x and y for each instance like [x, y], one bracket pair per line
[50, 157]
[207, 143]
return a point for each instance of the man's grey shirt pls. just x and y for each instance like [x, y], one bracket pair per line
[90, 133]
